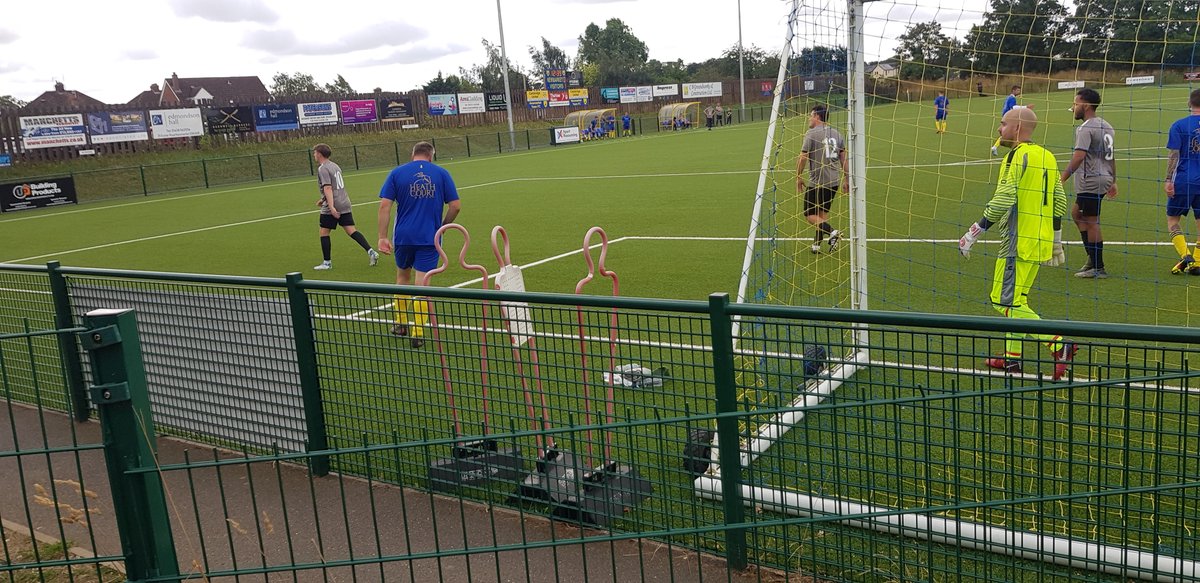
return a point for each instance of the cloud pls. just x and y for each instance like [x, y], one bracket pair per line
[383, 34]
[225, 10]
[140, 54]
[414, 54]
[7, 36]
[10, 67]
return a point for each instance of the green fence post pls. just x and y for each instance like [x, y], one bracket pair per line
[72, 364]
[397, 144]
[120, 395]
[142, 171]
[528, 144]
[728, 437]
[433, 142]
[261, 177]
[499, 144]
[355, 156]
[468, 146]
[310, 382]
[204, 165]
[311, 171]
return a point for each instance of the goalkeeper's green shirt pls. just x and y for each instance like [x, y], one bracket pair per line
[1029, 195]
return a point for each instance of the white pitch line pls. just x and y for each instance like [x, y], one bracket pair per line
[24, 291]
[876, 240]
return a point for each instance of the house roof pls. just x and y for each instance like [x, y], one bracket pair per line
[885, 66]
[222, 89]
[62, 98]
[149, 98]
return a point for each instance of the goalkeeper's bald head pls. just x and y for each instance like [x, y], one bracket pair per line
[1025, 121]
[1017, 126]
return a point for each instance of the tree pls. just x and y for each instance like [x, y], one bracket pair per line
[672, 72]
[10, 101]
[284, 85]
[821, 60]
[339, 87]
[1021, 36]
[550, 57]
[924, 52]
[619, 55]
[757, 63]
[490, 75]
[449, 84]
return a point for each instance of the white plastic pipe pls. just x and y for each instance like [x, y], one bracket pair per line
[1069, 552]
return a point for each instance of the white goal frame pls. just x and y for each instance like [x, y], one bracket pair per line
[1071, 552]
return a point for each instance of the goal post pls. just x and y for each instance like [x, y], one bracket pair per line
[917, 198]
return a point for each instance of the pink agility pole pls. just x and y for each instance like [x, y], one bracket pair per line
[433, 323]
[592, 270]
[505, 262]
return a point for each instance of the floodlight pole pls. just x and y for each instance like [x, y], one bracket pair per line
[512, 136]
[741, 66]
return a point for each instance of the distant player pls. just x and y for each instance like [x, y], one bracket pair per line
[824, 155]
[1095, 170]
[1010, 103]
[626, 125]
[942, 103]
[1027, 209]
[1183, 184]
[335, 208]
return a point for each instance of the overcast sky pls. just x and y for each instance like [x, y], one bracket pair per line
[115, 49]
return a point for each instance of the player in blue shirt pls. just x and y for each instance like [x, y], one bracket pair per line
[626, 125]
[1009, 104]
[942, 103]
[419, 190]
[1183, 183]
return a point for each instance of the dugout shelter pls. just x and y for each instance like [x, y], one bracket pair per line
[583, 118]
[689, 110]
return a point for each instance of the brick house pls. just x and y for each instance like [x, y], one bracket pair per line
[216, 91]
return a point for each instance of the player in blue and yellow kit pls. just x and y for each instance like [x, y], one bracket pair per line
[1183, 184]
[1030, 222]
[942, 103]
[419, 190]
[1010, 103]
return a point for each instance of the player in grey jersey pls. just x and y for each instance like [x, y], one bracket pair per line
[1095, 169]
[335, 208]
[824, 154]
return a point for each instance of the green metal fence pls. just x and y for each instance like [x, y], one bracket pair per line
[46, 495]
[919, 466]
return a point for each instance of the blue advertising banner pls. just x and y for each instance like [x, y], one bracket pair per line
[610, 94]
[555, 79]
[117, 126]
[5, 160]
[276, 117]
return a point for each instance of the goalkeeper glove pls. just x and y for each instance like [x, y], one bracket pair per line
[968, 239]
[1059, 256]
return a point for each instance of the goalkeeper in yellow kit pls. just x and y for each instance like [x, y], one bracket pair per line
[1027, 208]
